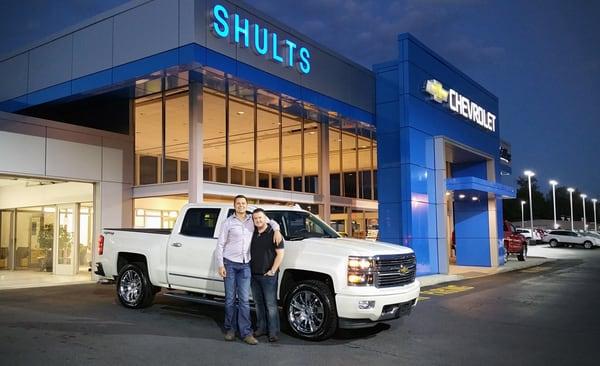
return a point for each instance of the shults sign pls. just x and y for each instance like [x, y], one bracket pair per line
[461, 105]
[263, 41]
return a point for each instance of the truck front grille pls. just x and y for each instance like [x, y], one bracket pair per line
[395, 270]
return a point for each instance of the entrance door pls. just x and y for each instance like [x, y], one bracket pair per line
[6, 239]
[65, 252]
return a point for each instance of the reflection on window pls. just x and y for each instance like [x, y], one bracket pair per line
[335, 143]
[213, 126]
[241, 141]
[291, 158]
[151, 165]
[349, 156]
[267, 147]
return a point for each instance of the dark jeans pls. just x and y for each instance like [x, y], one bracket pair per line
[264, 293]
[237, 284]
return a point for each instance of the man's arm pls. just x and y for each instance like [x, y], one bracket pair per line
[277, 237]
[220, 246]
[276, 262]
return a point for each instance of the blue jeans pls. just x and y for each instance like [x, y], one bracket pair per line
[237, 285]
[264, 293]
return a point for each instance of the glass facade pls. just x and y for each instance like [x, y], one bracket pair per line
[255, 138]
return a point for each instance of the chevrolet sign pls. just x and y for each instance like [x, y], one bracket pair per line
[461, 104]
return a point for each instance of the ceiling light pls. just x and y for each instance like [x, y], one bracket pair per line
[461, 196]
[240, 113]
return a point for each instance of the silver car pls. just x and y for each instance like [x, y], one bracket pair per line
[571, 238]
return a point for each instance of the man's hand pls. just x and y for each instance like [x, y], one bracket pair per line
[277, 237]
[222, 272]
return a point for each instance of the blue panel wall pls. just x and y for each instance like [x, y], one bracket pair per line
[407, 124]
[471, 225]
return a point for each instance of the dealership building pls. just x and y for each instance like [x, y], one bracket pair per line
[123, 119]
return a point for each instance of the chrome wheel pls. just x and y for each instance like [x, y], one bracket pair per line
[130, 287]
[306, 313]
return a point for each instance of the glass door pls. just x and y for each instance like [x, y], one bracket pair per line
[65, 253]
[6, 238]
[34, 238]
[86, 230]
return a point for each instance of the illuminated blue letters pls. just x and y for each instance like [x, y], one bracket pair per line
[257, 39]
[220, 27]
[290, 55]
[304, 64]
[244, 30]
[265, 42]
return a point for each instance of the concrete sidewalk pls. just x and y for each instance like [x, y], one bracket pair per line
[458, 273]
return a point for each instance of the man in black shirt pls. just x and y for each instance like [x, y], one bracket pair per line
[266, 259]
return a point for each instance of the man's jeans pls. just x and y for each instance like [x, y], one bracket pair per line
[264, 293]
[237, 282]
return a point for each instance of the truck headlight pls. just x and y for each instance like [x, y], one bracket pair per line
[360, 271]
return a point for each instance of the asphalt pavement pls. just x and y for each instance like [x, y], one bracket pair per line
[543, 315]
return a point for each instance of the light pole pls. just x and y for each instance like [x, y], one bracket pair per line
[571, 190]
[523, 213]
[583, 197]
[530, 174]
[594, 200]
[553, 183]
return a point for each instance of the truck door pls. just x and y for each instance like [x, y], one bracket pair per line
[190, 251]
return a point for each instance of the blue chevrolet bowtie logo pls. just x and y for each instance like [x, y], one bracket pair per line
[437, 91]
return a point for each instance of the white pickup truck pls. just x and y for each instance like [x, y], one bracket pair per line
[325, 281]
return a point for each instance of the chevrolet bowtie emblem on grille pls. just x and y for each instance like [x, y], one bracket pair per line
[437, 91]
[403, 269]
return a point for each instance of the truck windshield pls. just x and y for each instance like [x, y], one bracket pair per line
[298, 225]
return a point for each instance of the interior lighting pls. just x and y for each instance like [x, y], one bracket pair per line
[461, 196]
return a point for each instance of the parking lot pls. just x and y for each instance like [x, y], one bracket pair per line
[540, 316]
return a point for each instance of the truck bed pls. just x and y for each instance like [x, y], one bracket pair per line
[147, 231]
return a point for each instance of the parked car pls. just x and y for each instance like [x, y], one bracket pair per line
[527, 234]
[558, 238]
[514, 243]
[350, 283]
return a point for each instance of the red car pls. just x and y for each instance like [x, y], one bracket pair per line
[514, 243]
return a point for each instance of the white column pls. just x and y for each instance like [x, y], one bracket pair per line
[196, 157]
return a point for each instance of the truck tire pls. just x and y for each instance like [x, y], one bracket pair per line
[588, 245]
[310, 310]
[134, 289]
[553, 243]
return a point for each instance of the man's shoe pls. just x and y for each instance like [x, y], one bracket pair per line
[230, 335]
[249, 339]
[259, 333]
[273, 339]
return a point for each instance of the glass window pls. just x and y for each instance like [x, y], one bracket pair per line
[177, 136]
[349, 156]
[213, 129]
[374, 165]
[241, 141]
[312, 136]
[298, 225]
[267, 147]
[335, 142]
[200, 222]
[148, 139]
[291, 159]
[364, 162]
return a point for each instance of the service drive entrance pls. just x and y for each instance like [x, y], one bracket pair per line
[52, 238]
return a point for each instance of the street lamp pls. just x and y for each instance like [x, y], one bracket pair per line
[530, 174]
[594, 200]
[571, 190]
[553, 183]
[583, 197]
[523, 213]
